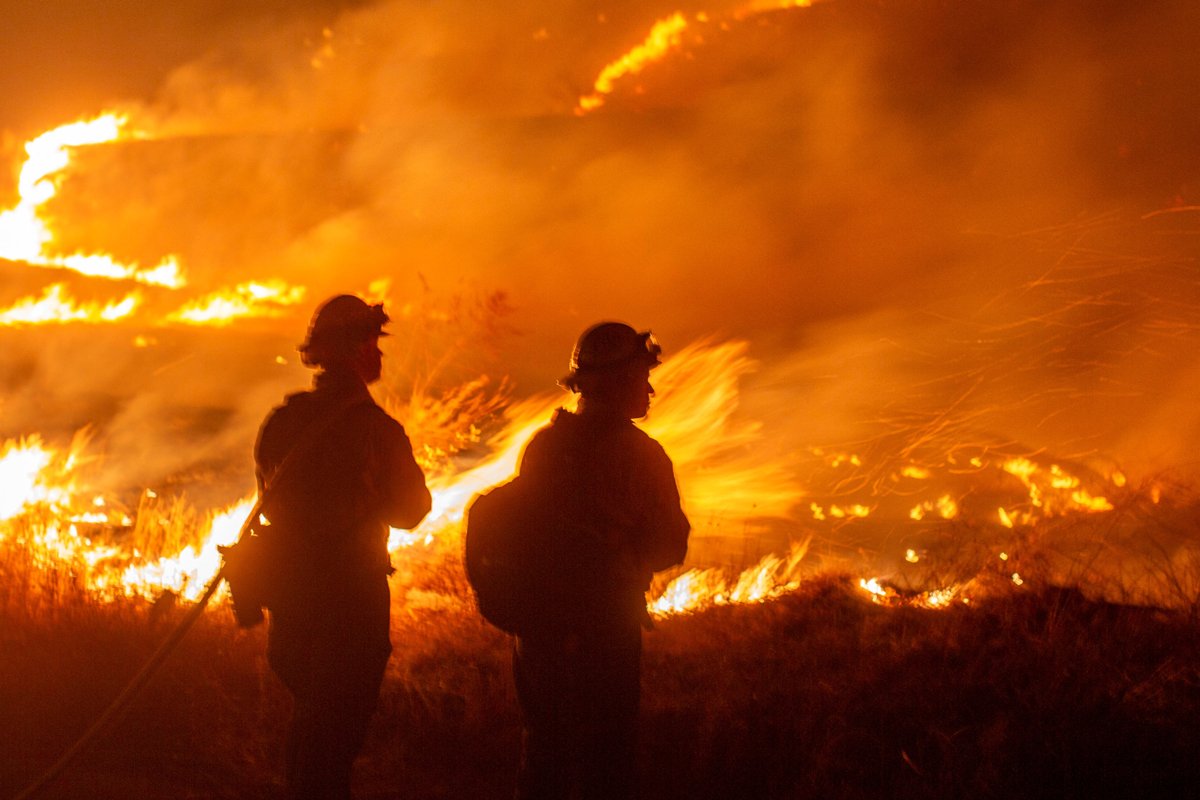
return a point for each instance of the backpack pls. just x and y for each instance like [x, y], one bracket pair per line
[497, 554]
[528, 566]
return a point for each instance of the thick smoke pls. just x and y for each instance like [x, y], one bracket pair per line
[917, 212]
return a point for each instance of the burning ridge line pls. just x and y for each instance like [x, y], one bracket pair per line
[664, 37]
[25, 237]
[55, 305]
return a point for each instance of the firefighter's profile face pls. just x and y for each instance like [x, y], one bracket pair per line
[368, 360]
[635, 391]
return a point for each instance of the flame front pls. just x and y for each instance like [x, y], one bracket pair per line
[24, 236]
[44, 511]
[23, 471]
[1052, 491]
[665, 37]
[56, 306]
[63, 528]
[247, 300]
[699, 588]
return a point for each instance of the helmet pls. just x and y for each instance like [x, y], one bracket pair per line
[607, 347]
[338, 325]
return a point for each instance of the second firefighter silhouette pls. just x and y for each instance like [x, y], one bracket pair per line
[345, 474]
[578, 684]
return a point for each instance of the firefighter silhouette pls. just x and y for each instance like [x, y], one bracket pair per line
[578, 682]
[328, 516]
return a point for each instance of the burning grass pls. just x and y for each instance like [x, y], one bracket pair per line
[963, 672]
[818, 693]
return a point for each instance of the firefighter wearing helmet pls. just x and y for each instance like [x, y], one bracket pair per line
[350, 476]
[578, 683]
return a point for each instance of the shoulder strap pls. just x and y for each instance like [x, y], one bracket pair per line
[304, 444]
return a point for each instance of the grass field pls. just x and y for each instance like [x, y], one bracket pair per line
[822, 693]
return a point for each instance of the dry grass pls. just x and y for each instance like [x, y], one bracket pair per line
[1041, 693]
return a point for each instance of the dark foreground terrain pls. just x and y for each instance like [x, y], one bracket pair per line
[821, 694]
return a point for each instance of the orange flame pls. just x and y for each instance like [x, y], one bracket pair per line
[945, 506]
[761, 6]
[24, 236]
[56, 306]
[1053, 491]
[664, 37]
[935, 598]
[22, 466]
[188, 572]
[700, 588]
[694, 415]
[252, 299]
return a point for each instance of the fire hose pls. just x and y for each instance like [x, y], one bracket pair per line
[152, 665]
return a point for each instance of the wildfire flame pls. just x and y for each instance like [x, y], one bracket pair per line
[24, 469]
[252, 299]
[43, 510]
[665, 36]
[1052, 491]
[41, 483]
[936, 598]
[56, 306]
[699, 588]
[188, 572]
[24, 236]
[945, 506]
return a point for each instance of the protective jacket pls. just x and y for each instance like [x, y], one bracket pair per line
[614, 488]
[330, 511]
